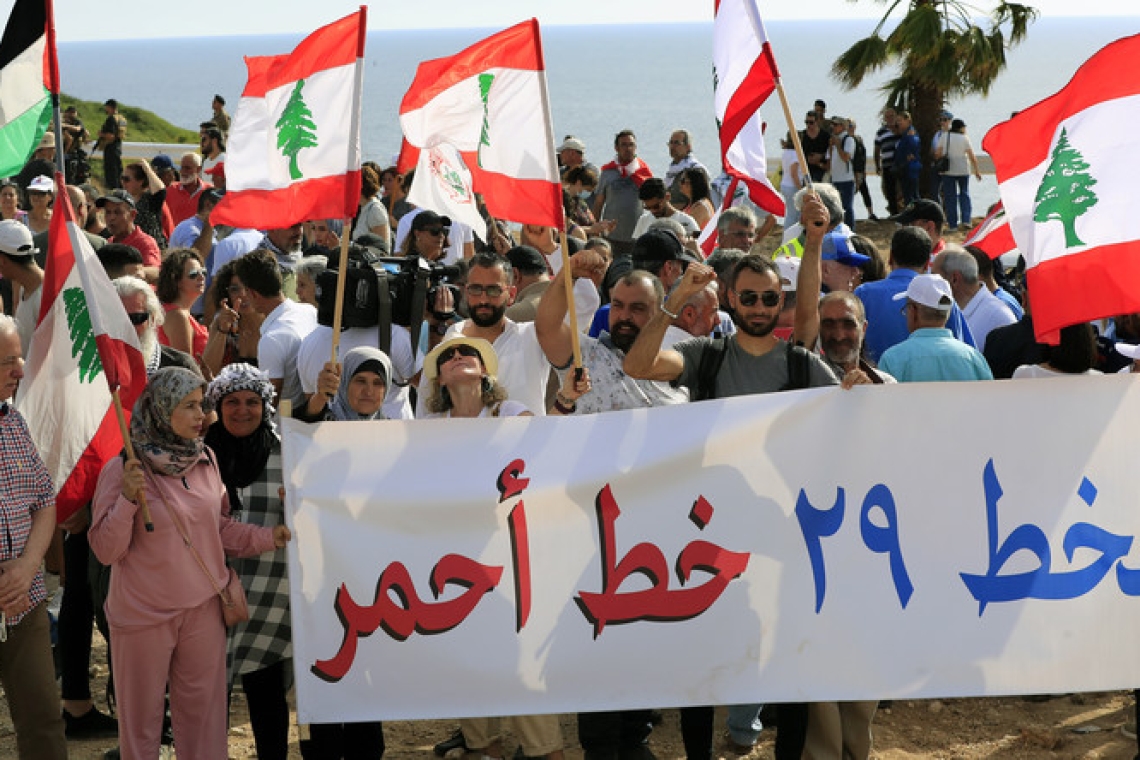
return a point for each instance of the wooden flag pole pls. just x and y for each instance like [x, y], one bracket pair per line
[341, 278]
[569, 280]
[147, 522]
[794, 133]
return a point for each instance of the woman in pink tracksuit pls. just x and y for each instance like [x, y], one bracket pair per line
[164, 612]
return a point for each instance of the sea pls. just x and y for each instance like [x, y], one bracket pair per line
[651, 78]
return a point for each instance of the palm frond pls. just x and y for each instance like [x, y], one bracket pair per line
[865, 57]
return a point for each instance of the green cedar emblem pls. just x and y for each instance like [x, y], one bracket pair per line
[1066, 190]
[83, 345]
[485, 81]
[295, 129]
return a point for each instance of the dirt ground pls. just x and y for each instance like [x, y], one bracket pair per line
[1069, 727]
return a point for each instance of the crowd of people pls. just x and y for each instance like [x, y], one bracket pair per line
[231, 326]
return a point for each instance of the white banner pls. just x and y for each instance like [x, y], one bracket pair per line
[886, 542]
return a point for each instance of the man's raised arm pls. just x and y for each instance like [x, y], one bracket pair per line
[646, 359]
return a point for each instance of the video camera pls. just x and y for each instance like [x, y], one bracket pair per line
[381, 291]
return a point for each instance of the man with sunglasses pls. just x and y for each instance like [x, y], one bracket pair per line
[815, 141]
[78, 199]
[489, 290]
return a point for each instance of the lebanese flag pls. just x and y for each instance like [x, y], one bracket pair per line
[745, 75]
[1067, 168]
[83, 347]
[26, 83]
[490, 103]
[294, 146]
[992, 235]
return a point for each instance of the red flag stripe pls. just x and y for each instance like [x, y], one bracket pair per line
[757, 87]
[1007, 143]
[513, 48]
[525, 201]
[337, 44]
[321, 198]
[79, 487]
[1107, 277]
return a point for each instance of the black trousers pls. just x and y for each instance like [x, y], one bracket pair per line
[265, 691]
[615, 735]
[344, 741]
[76, 615]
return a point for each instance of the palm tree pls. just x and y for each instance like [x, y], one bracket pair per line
[940, 52]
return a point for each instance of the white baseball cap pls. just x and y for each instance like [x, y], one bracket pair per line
[16, 239]
[789, 269]
[929, 290]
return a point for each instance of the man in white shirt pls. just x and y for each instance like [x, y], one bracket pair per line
[286, 322]
[982, 309]
[842, 168]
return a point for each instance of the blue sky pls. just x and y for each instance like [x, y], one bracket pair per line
[142, 19]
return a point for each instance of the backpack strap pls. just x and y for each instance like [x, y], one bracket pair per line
[799, 368]
[712, 356]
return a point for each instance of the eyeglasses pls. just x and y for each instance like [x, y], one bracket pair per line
[449, 353]
[138, 317]
[809, 122]
[194, 274]
[491, 291]
[235, 290]
[437, 231]
[768, 298]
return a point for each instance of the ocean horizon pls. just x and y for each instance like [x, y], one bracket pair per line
[651, 78]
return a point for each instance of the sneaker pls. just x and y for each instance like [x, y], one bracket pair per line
[455, 741]
[91, 725]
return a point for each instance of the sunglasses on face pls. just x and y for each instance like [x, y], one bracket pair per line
[768, 298]
[437, 231]
[138, 317]
[462, 350]
[194, 274]
[491, 291]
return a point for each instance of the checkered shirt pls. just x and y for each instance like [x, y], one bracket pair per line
[266, 637]
[25, 487]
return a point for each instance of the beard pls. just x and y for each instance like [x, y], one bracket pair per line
[623, 334]
[758, 329]
[841, 352]
[149, 341]
[487, 316]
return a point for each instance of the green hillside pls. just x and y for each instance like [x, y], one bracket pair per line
[142, 125]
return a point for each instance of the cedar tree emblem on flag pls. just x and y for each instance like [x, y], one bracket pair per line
[295, 129]
[83, 348]
[1066, 190]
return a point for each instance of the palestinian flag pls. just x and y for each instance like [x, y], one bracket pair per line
[490, 103]
[83, 347]
[294, 145]
[25, 84]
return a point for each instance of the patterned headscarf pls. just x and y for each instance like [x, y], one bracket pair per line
[154, 440]
[243, 377]
[241, 460]
[362, 359]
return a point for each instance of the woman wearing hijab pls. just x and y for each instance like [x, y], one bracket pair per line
[248, 452]
[163, 607]
[354, 390]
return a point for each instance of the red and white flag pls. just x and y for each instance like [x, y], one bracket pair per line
[1066, 168]
[83, 347]
[294, 146]
[992, 235]
[744, 76]
[490, 104]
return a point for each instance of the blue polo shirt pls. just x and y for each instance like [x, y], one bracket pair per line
[932, 354]
[886, 323]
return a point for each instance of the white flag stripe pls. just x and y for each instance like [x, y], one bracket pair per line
[22, 82]
[58, 416]
[1097, 135]
[516, 129]
[253, 160]
[736, 45]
